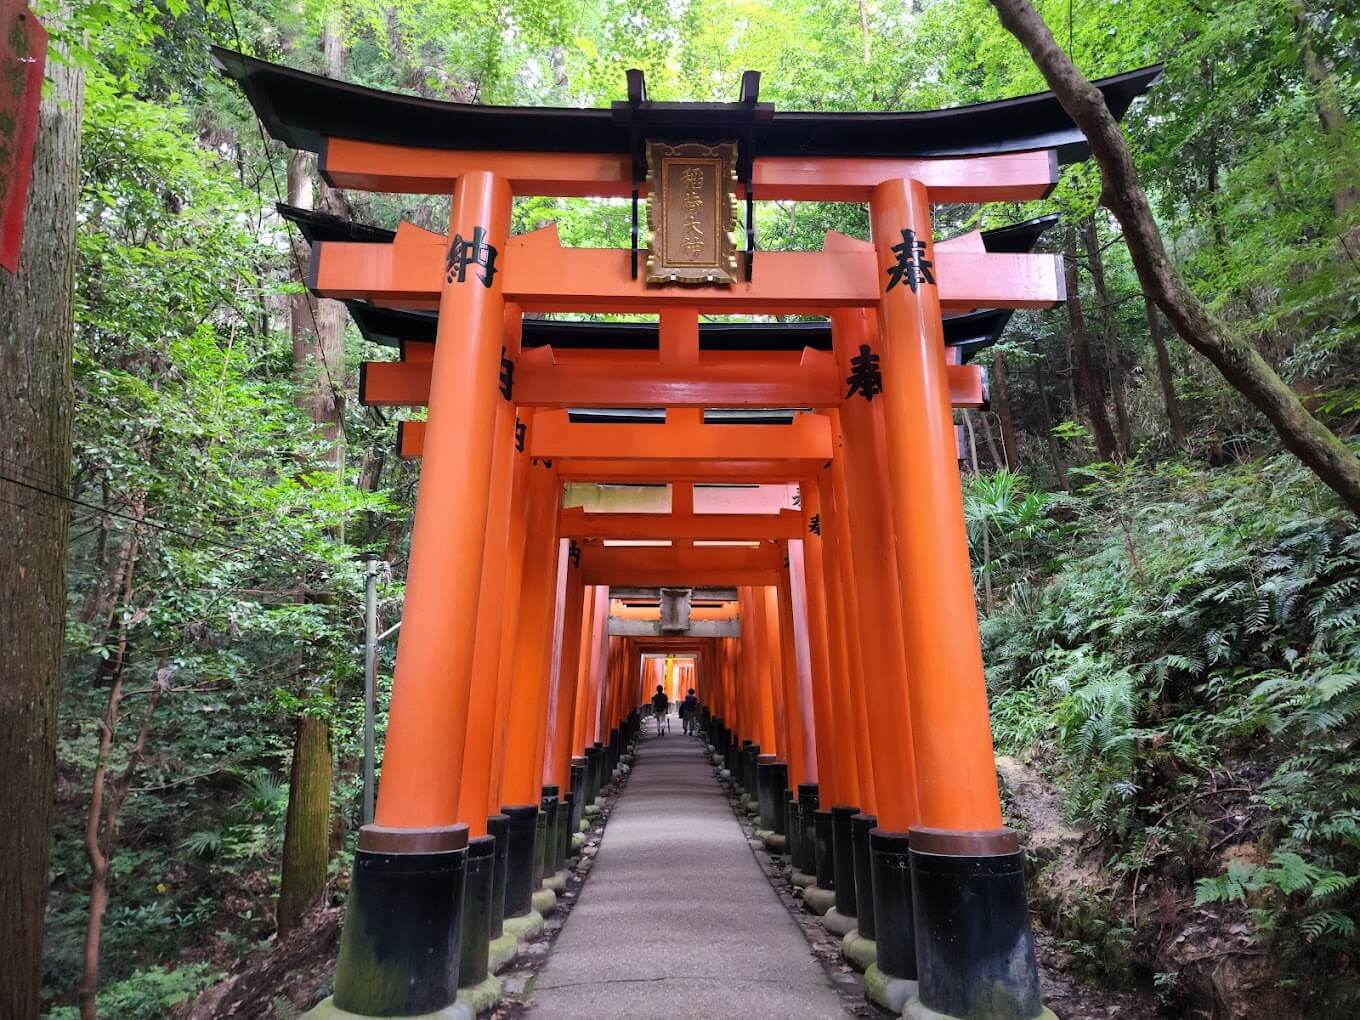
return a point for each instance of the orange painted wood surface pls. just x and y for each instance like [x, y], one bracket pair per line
[371, 166]
[543, 277]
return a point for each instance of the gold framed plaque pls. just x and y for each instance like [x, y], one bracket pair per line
[691, 213]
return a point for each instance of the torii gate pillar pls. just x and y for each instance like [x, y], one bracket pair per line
[974, 948]
[400, 944]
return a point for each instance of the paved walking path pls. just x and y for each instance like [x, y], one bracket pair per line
[676, 919]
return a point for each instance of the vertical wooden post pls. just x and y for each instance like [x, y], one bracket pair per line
[475, 795]
[431, 685]
[957, 773]
[969, 922]
[881, 689]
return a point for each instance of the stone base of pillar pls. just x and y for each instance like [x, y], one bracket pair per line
[482, 996]
[915, 1011]
[974, 947]
[842, 924]
[557, 881]
[592, 811]
[889, 992]
[859, 951]
[326, 1009]
[524, 926]
[819, 900]
[801, 879]
[544, 901]
[501, 952]
[774, 842]
[578, 841]
[400, 944]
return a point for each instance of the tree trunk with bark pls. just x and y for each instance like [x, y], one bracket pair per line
[1054, 447]
[1001, 404]
[318, 328]
[36, 395]
[1239, 362]
[1087, 382]
[306, 840]
[1165, 374]
[1114, 359]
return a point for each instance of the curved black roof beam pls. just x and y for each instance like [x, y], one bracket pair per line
[302, 110]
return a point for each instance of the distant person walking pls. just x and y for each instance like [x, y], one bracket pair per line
[661, 705]
[689, 713]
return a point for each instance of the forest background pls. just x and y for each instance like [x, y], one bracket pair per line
[1169, 603]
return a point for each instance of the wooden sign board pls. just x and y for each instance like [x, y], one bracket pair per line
[691, 213]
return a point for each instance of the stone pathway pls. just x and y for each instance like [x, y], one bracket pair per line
[677, 919]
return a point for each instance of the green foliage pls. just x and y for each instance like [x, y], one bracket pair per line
[1200, 632]
[150, 994]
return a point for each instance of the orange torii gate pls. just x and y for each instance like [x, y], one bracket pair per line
[856, 681]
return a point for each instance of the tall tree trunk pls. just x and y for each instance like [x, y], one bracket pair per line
[318, 367]
[1164, 372]
[1001, 403]
[1054, 447]
[1087, 382]
[35, 448]
[1331, 111]
[1235, 357]
[306, 840]
[1113, 358]
[998, 461]
[864, 29]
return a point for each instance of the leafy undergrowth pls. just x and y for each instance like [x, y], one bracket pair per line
[1179, 651]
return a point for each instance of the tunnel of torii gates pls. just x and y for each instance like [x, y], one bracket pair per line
[769, 512]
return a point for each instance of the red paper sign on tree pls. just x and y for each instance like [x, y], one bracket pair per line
[23, 55]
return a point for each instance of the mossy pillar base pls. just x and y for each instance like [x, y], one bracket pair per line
[497, 827]
[843, 860]
[974, 946]
[864, 884]
[807, 831]
[825, 863]
[894, 922]
[519, 864]
[481, 873]
[399, 950]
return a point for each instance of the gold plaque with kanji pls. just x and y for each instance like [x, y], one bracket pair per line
[691, 213]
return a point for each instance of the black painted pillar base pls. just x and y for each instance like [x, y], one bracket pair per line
[791, 828]
[894, 922]
[592, 776]
[771, 779]
[481, 873]
[400, 945]
[578, 792]
[602, 776]
[563, 833]
[974, 947]
[825, 862]
[843, 860]
[540, 847]
[864, 884]
[519, 865]
[807, 834]
[548, 822]
[498, 828]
